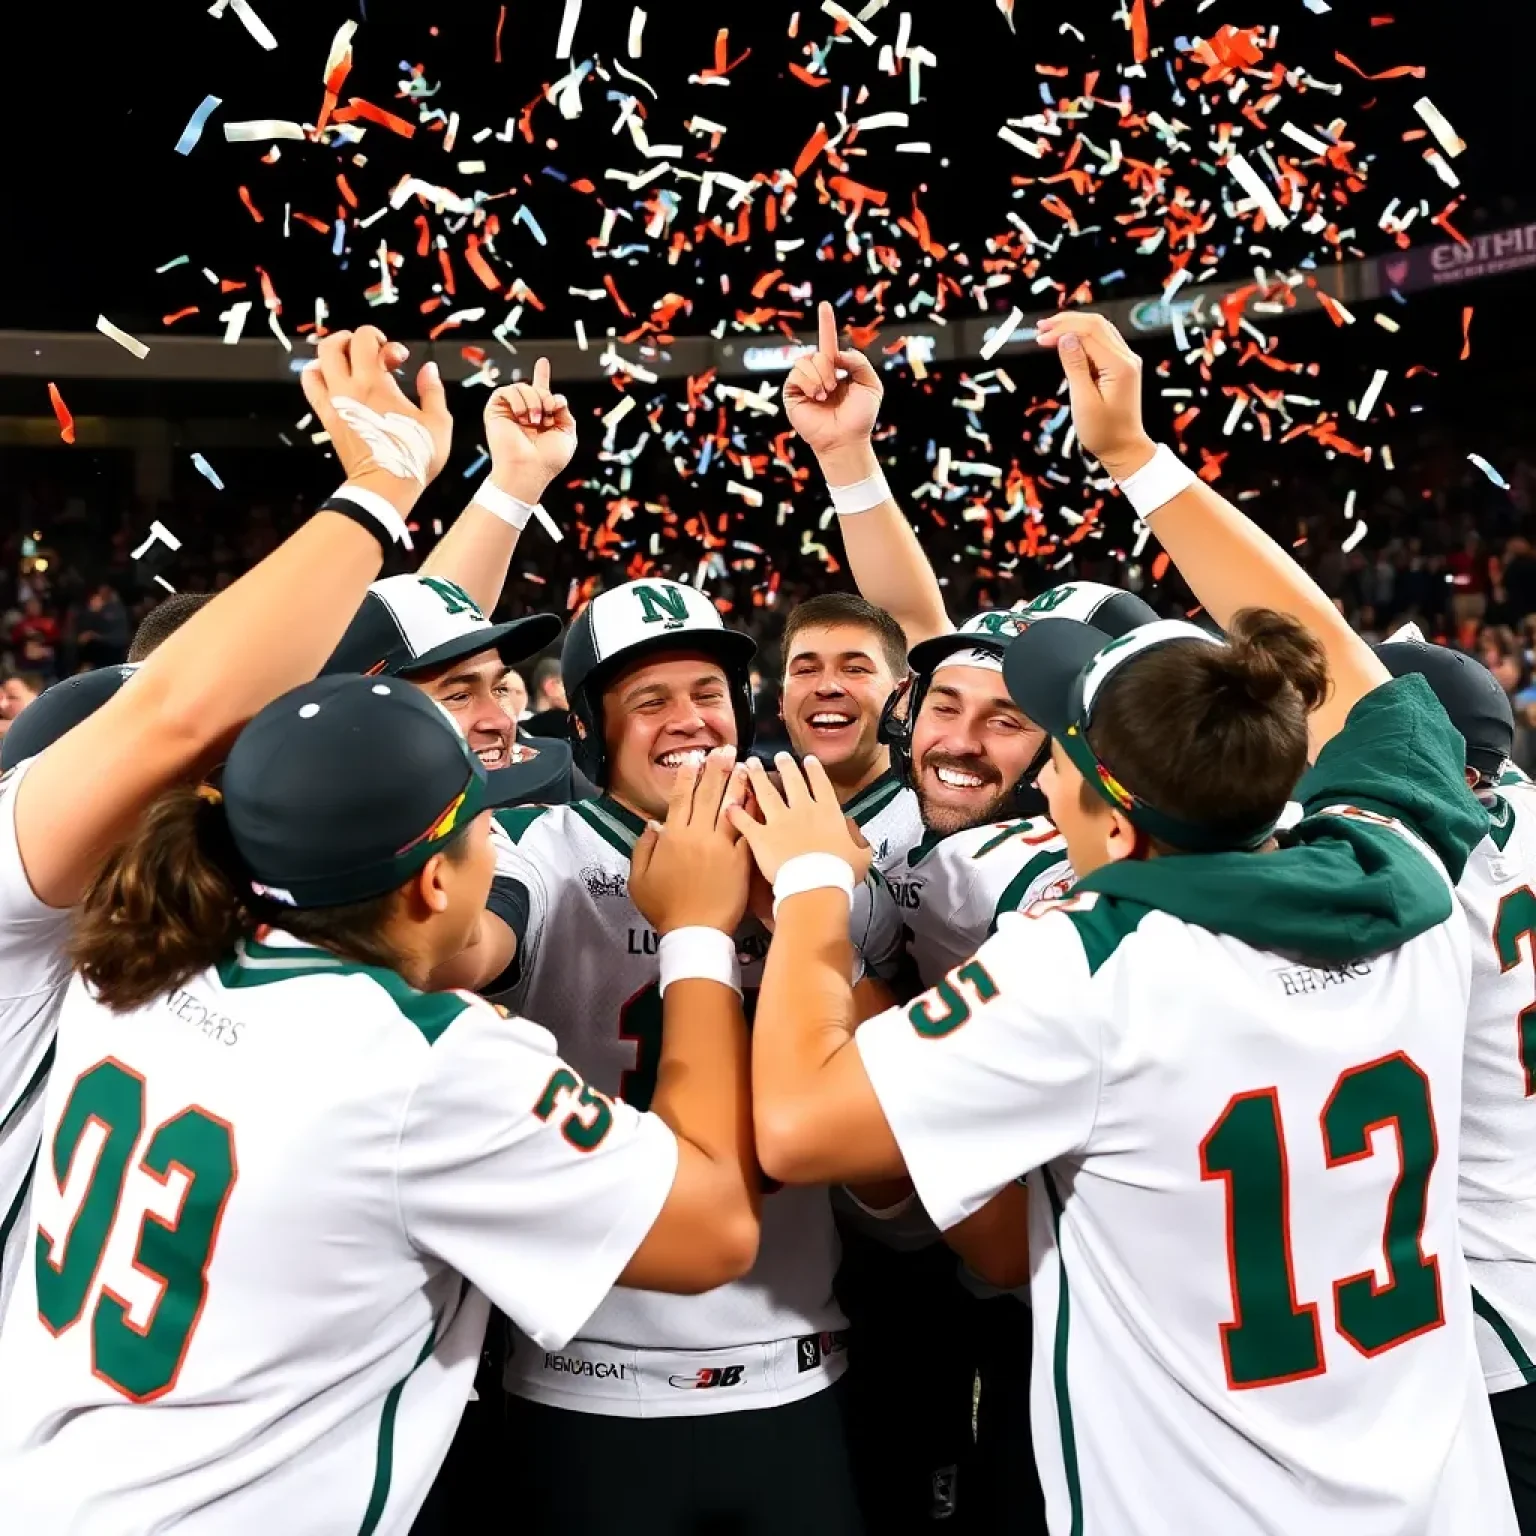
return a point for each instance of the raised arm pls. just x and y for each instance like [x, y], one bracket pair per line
[1228, 561]
[270, 631]
[531, 435]
[835, 417]
[689, 880]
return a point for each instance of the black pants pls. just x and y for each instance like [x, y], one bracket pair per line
[761, 1472]
[1004, 1497]
[1514, 1416]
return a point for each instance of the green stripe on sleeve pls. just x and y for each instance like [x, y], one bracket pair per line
[1013, 893]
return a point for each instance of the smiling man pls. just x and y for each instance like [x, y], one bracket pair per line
[655, 682]
[843, 658]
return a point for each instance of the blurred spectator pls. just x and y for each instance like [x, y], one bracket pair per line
[548, 712]
[35, 639]
[102, 636]
[517, 694]
[17, 691]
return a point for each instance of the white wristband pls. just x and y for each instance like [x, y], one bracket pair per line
[508, 508]
[1157, 482]
[698, 954]
[812, 872]
[380, 509]
[848, 500]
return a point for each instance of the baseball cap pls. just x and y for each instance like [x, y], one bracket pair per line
[59, 709]
[979, 642]
[1112, 610]
[1056, 670]
[414, 623]
[1468, 692]
[344, 787]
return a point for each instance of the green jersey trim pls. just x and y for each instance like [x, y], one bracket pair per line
[11, 1217]
[254, 964]
[1059, 1365]
[1102, 924]
[1506, 1335]
[384, 1457]
[617, 827]
[873, 797]
[516, 820]
[1501, 824]
[1014, 891]
[43, 1069]
[924, 846]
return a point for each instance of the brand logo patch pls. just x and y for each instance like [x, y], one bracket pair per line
[709, 1376]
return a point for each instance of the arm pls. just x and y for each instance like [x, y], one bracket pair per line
[491, 950]
[531, 435]
[995, 1240]
[692, 874]
[1228, 561]
[272, 630]
[835, 417]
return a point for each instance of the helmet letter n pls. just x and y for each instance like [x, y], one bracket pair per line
[662, 605]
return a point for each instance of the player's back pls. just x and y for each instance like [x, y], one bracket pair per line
[223, 1303]
[1251, 1271]
[1498, 1133]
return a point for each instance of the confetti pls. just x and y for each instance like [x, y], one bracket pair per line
[122, 338]
[207, 471]
[261, 129]
[1489, 470]
[1253, 184]
[61, 411]
[568, 20]
[636, 28]
[849, 20]
[1466, 332]
[999, 338]
[1445, 136]
[1372, 394]
[196, 123]
[253, 23]
[1355, 537]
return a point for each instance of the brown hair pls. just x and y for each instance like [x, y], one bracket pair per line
[163, 620]
[847, 608]
[1213, 733]
[166, 906]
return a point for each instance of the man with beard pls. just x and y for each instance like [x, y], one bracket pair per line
[843, 658]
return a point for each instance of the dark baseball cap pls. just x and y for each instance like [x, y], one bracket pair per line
[343, 788]
[1468, 692]
[57, 710]
[1055, 670]
[414, 623]
[981, 640]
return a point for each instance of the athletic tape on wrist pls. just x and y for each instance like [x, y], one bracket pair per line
[850, 500]
[698, 954]
[1157, 482]
[371, 511]
[812, 872]
[400, 446]
[509, 509]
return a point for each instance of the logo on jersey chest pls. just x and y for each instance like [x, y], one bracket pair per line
[602, 882]
[908, 893]
[1302, 980]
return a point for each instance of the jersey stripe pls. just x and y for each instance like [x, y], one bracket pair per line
[384, 1459]
[1485, 1310]
[1059, 1365]
[1014, 891]
[43, 1068]
[873, 797]
[607, 826]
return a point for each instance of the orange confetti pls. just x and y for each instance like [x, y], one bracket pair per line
[814, 146]
[501, 21]
[1139, 42]
[1466, 333]
[1159, 565]
[480, 266]
[66, 421]
[1397, 70]
[346, 190]
[181, 314]
[356, 107]
[807, 77]
[613, 292]
[251, 208]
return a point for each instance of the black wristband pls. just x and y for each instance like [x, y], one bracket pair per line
[371, 511]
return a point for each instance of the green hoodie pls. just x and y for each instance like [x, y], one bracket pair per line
[1340, 887]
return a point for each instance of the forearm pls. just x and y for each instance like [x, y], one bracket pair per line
[994, 1241]
[703, 1083]
[887, 562]
[1230, 563]
[476, 552]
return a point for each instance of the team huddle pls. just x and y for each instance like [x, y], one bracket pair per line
[1082, 1089]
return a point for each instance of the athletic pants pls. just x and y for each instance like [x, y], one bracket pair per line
[1514, 1416]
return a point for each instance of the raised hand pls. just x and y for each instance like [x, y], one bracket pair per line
[1104, 383]
[801, 816]
[692, 871]
[380, 435]
[829, 412]
[531, 434]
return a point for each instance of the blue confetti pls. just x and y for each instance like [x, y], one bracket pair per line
[196, 123]
[338, 237]
[207, 471]
[482, 457]
[1489, 470]
[525, 217]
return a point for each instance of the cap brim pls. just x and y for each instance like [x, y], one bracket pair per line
[1041, 665]
[57, 711]
[543, 779]
[928, 655]
[514, 641]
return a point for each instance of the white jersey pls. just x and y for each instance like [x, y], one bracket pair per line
[888, 814]
[33, 974]
[587, 962]
[1498, 1135]
[1252, 1313]
[267, 1207]
[953, 888]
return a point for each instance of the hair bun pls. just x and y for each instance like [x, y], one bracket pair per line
[1267, 652]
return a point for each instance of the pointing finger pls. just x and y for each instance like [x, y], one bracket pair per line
[541, 375]
[826, 328]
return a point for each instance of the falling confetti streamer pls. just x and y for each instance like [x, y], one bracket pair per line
[122, 338]
[196, 123]
[61, 411]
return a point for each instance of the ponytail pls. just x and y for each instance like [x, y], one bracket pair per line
[164, 906]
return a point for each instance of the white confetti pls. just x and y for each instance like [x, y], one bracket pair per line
[999, 338]
[1445, 136]
[1306, 140]
[1372, 394]
[618, 413]
[1441, 168]
[852, 22]
[636, 27]
[1356, 534]
[253, 23]
[1489, 470]
[207, 471]
[1008, 136]
[882, 120]
[1387, 323]
[122, 338]
[568, 28]
[260, 129]
[1253, 184]
[753, 498]
[1239, 405]
[234, 318]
